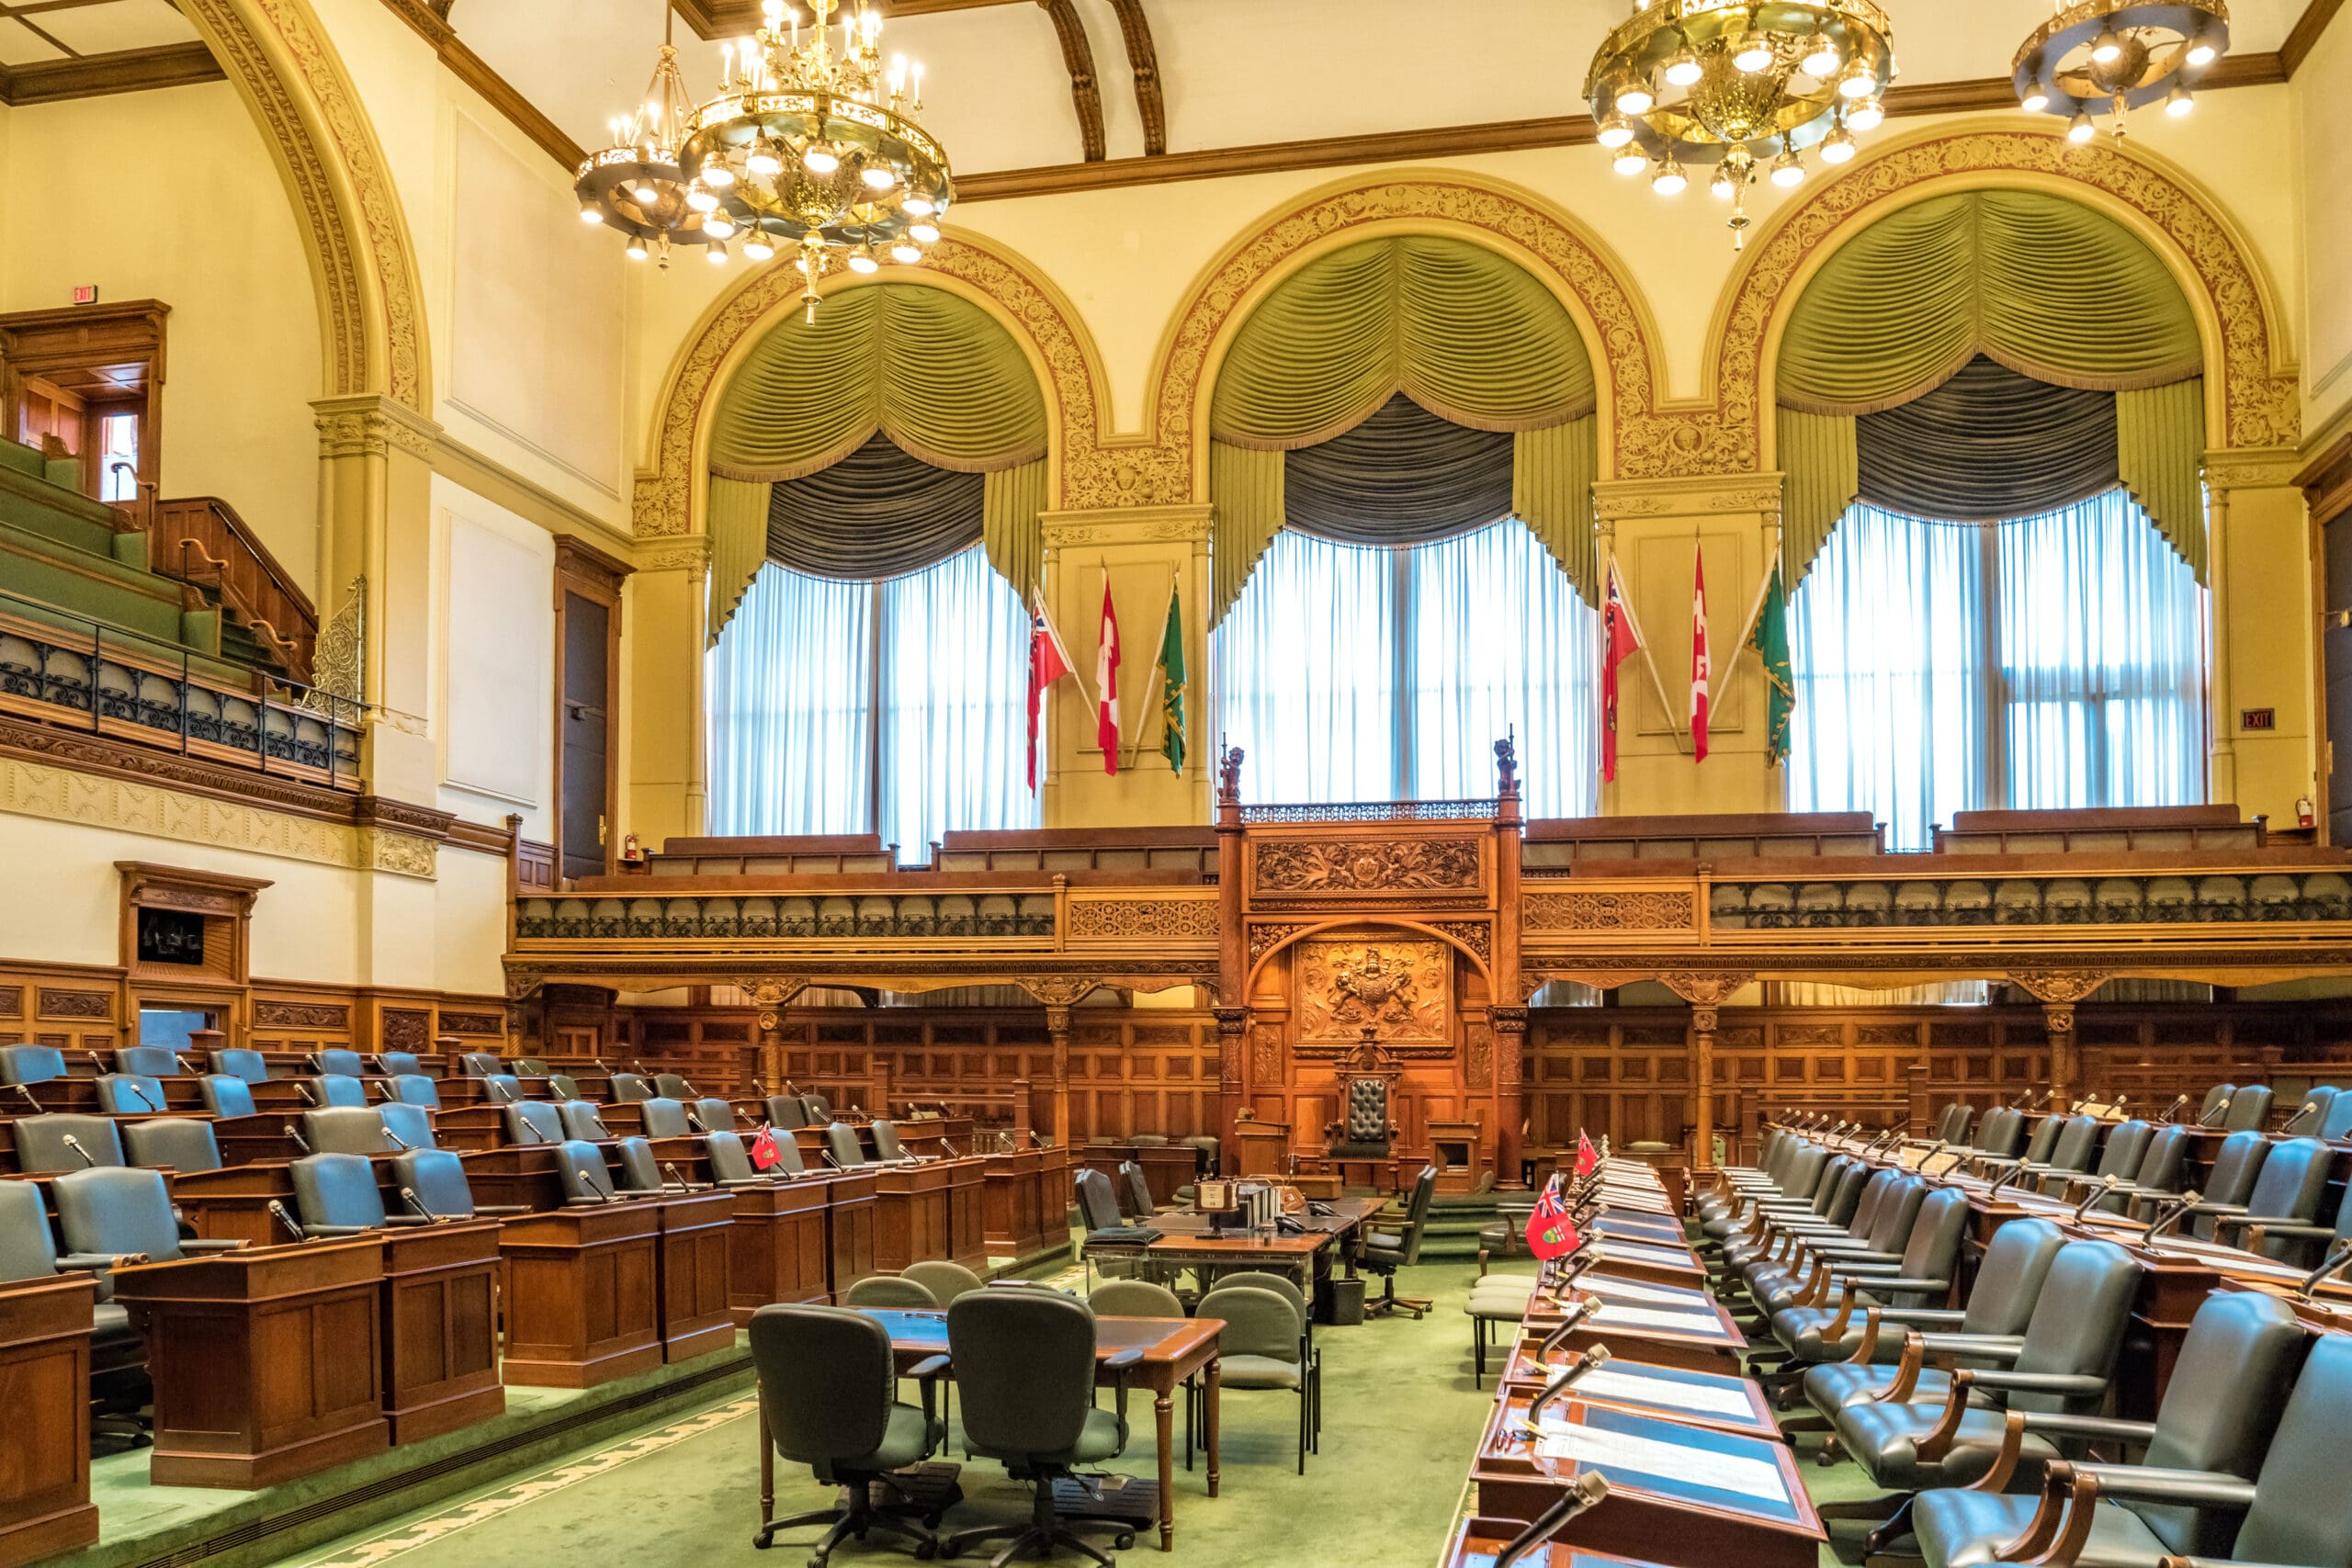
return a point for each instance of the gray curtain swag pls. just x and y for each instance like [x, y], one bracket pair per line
[1988, 444]
[880, 512]
[1403, 476]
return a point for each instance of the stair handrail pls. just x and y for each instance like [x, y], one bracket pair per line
[284, 612]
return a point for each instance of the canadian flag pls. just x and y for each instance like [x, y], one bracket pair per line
[1106, 685]
[1702, 672]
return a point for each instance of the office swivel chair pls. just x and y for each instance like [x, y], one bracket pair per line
[399, 1064]
[225, 1094]
[436, 1178]
[2249, 1109]
[1135, 1191]
[535, 1121]
[114, 1211]
[31, 1064]
[945, 1280]
[888, 1150]
[333, 1089]
[890, 1291]
[482, 1063]
[673, 1086]
[336, 1195]
[787, 1110]
[663, 1117]
[118, 1360]
[1263, 1346]
[827, 1401]
[415, 1088]
[531, 1066]
[500, 1088]
[178, 1142]
[155, 1061]
[581, 1171]
[2294, 1177]
[730, 1162]
[840, 1142]
[249, 1065]
[1025, 1362]
[638, 1170]
[1384, 1252]
[411, 1126]
[1952, 1126]
[629, 1088]
[580, 1120]
[346, 1130]
[716, 1116]
[60, 1142]
[129, 1094]
[337, 1063]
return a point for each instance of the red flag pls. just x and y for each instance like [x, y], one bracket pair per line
[1106, 685]
[1048, 662]
[763, 1153]
[1588, 1158]
[1622, 640]
[1550, 1233]
[1702, 671]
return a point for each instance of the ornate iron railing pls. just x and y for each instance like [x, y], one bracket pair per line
[1376, 811]
[757, 916]
[2188, 897]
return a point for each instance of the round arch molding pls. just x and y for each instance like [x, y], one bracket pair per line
[668, 500]
[362, 261]
[1289, 936]
[2254, 396]
[1639, 437]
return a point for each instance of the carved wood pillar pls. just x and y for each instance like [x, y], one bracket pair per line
[1232, 1051]
[1060, 993]
[2058, 990]
[771, 997]
[1706, 993]
[1510, 1025]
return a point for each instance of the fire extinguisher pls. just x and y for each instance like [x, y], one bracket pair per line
[2305, 817]
[629, 852]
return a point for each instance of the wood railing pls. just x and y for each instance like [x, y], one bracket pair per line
[201, 540]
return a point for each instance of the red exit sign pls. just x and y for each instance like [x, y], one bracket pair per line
[2257, 718]
[85, 294]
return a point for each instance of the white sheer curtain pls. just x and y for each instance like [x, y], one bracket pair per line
[2055, 661]
[1354, 674]
[817, 683]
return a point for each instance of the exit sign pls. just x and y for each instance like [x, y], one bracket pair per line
[85, 294]
[2257, 718]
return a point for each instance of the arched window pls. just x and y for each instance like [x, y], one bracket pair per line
[1402, 456]
[1992, 419]
[875, 479]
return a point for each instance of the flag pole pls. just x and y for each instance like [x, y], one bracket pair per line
[1649, 662]
[1055, 632]
[1159, 669]
[1747, 630]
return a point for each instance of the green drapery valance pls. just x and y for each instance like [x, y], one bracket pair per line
[1464, 333]
[930, 370]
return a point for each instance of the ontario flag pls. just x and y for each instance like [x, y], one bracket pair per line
[1622, 640]
[1588, 1158]
[1702, 672]
[1550, 1233]
[1048, 662]
[1106, 685]
[764, 1155]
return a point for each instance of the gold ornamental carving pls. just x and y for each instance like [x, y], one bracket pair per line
[1400, 989]
[1266, 936]
[1361, 865]
[1109, 920]
[1665, 911]
[2059, 984]
[1707, 991]
[1478, 936]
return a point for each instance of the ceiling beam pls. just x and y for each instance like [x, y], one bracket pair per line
[97, 75]
[1144, 59]
[734, 19]
[1078, 55]
[2303, 37]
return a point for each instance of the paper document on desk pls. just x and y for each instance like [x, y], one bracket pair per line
[1704, 1323]
[1663, 1394]
[1694, 1466]
[1609, 1290]
[1650, 1256]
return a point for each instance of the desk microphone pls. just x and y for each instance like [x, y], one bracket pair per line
[1569, 1325]
[2170, 1218]
[310, 1060]
[2215, 1117]
[2107, 1184]
[696, 1123]
[27, 1096]
[398, 1141]
[760, 1086]
[1933, 1150]
[2006, 1176]
[88, 1160]
[2173, 1109]
[949, 1152]
[602, 1130]
[1584, 1493]
[672, 1173]
[300, 1142]
[2311, 1107]
[277, 1211]
[827, 1156]
[500, 1090]
[2335, 1263]
[181, 1062]
[1595, 1356]
[304, 1090]
[408, 1196]
[141, 1093]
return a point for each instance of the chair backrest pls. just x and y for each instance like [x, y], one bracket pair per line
[563, 1085]
[249, 1065]
[1417, 1212]
[1024, 1364]
[2001, 1131]
[2249, 1108]
[500, 1088]
[1836, 1199]
[1953, 1127]
[787, 1110]
[1136, 1191]
[2010, 1276]
[840, 1142]
[1261, 1279]
[820, 1110]
[945, 1280]
[335, 1088]
[531, 1066]
[437, 1176]
[482, 1063]
[715, 1114]
[2230, 1384]
[826, 1376]
[886, 1142]
[397, 1063]
[2076, 1138]
[581, 1171]
[1133, 1298]
[533, 1122]
[1866, 1205]
[175, 1141]
[115, 1209]
[1097, 1205]
[2217, 1099]
[2338, 1122]
[346, 1130]
[2043, 1140]
[663, 1118]
[226, 1094]
[581, 1121]
[2077, 1325]
[1257, 1323]
[1804, 1172]
[415, 1089]
[891, 1291]
[155, 1061]
[729, 1160]
[336, 1189]
[28, 1251]
[640, 1171]
[2126, 1146]
[2237, 1165]
[2311, 1111]
[42, 1147]
[1148, 1140]
[341, 1064]
[1932, 1250]
[1897, 1213]
[2303, 1510]
[1367, 1110]
[411, 1124]
[787, 1154]
[31, 1064]
[2160, 1164]
[673, 1086]
[129, 1094]
[629, 1088]
[2294, 1177]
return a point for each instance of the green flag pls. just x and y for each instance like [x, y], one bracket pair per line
[1172, 689]
[1770, 638]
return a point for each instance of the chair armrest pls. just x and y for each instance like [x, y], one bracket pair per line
[2223, 1209]
[202, 1246]
[99, 1262]
[2041, 1382]
[2281, 1227]
[930, 1367]
[2140, 1482]
[1923, 1317]
[1991, 1347]
[317, 1232]
[1910, 1284]
[2109, 1426]
[1123, 1362]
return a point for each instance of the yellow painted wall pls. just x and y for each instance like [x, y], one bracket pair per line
[2322, 141]
[217, 243]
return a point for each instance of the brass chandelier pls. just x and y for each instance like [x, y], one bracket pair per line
[1747, 85]
[2110, 57]
[810, 145]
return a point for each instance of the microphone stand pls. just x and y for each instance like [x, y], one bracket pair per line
[1584, 1493]
[1597, 1356]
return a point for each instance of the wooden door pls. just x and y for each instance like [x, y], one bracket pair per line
[587, 639]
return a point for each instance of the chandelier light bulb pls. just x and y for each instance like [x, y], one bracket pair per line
[2036, 100]
[645, 194]
[765, 162]
[862, 262]
[1821, 58]
[702, 200]
[878, 177]
[718, 175]
[1683, 69]
[906, 253]
[2079, 129]
[2107, 47]
[2201, 53]
[819, 159]
[917, 206]
[1838, 147]
[1636, 98]
[757, 246]
[1858, 82]
[719, 224]
[1721, 187]
[1616, 131]
[1631, 161]
[716, 256]
[1788, 170]
[2180, 101]
[925, 233]
[636, 248]
[1669, 179]
[590, 215]
[1868, 115]
[1755, 54]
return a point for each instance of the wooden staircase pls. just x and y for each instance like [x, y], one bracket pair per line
[267, 619]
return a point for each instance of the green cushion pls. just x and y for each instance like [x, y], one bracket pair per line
[1256, 1371]
[1103, 1437]
[906, 1438]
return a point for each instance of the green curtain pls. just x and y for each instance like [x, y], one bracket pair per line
[1553, 470]
[1246, 483]
[1821, 477]
[2160, 454]
[877, 513]
[1016, 545]
[2040, 283]
[1402, 478]
[1988, 446]
[929, 369]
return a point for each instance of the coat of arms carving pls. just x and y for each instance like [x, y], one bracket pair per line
[1399, 988]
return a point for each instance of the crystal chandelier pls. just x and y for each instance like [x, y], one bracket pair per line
[808, 146]
[1745, 85]
[2113, 56]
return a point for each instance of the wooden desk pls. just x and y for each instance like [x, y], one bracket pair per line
[1480, 1540]
[522, 1177]
[232, 1204]
[777, 1249]
[1667, 1511]
[850, 1200]
[1261, 1148]
[266, 1363]
[582, 1294]
[1166, 1167]
[911, 1219]
[967, 1236]
[1173, 1349]
[1017, 1204]
[1187, 1242]
[440, 1328]
[1650, 1264]
[1711, 1342]
[45, 1442]
[695, 1297]
[1459, 1151]
[1689, 1399]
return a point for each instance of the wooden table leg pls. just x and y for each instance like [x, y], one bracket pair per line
[1215, 1382]
[1162, 1408]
